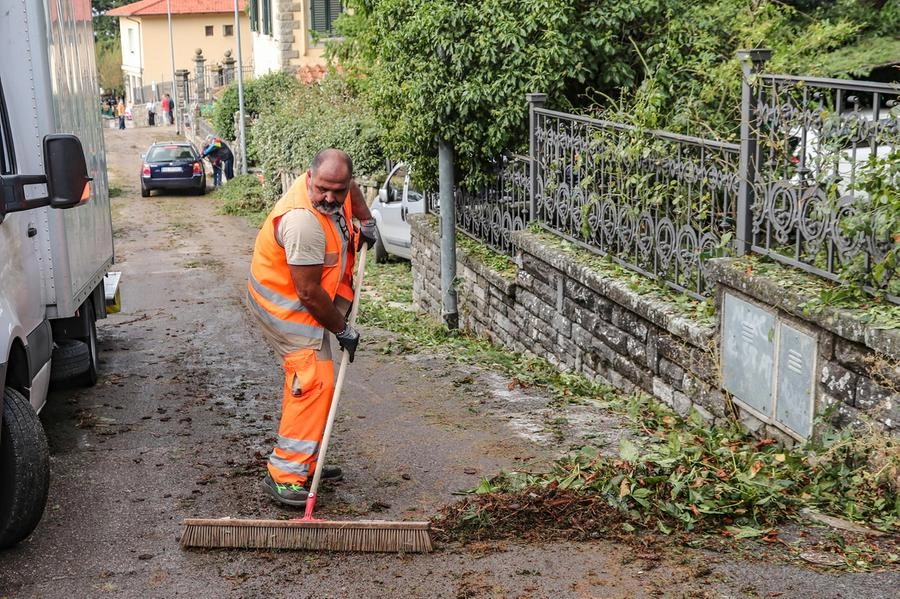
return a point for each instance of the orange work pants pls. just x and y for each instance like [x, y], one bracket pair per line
[308, 389]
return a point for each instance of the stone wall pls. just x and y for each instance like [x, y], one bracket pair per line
[556, 306]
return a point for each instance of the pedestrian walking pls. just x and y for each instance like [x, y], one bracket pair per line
[300, 287]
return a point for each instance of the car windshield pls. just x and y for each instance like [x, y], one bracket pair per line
[166, 153]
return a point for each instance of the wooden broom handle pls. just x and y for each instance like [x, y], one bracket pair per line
[338, 386]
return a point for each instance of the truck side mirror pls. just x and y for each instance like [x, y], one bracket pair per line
[66, 170]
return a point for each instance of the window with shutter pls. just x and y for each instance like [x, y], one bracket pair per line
[253, 14]
[323, 13]
[266, 17]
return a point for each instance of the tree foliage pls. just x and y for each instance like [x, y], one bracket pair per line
[106, 28]
[109, 66]
[261, 96]
[329, 114]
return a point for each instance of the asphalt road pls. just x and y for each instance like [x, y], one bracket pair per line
[186, 410]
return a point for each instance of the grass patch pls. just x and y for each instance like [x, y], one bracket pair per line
[115, 191]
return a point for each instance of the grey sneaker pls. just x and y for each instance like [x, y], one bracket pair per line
[289, 494]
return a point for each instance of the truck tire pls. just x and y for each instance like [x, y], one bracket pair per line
[89, 378]
[24, 469]
[381, 254]
[71, 359]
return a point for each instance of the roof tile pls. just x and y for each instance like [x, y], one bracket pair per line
[145, 8]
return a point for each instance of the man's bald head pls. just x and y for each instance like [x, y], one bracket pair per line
[334, 160]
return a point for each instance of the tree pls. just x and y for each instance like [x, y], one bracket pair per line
[106, 28]
[460, 69]
[109, 66]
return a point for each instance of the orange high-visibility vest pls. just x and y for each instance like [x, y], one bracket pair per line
[271, 288]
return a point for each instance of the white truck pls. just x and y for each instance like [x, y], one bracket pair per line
[56, 241]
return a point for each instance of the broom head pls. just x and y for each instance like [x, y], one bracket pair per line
[316, 535]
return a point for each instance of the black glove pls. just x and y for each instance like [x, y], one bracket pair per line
[348, 340]
[367, 233]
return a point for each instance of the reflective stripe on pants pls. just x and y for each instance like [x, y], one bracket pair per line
[308, 388]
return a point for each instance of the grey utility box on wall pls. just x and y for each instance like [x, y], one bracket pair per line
[768, 365]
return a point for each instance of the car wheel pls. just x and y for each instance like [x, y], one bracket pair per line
[381, 254]
[24, 469]
[145, 193]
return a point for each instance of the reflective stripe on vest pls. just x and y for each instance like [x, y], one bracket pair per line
[270, 287]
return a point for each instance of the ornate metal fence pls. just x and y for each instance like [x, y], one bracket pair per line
[492, 213]
[655, 202]
[823, 178]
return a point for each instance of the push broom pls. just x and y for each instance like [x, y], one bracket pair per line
[308, 532]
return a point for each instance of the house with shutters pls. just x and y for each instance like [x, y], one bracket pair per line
[288, 35]
[148, 52]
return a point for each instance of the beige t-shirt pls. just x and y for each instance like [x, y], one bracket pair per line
[303, 240]
[302, 237]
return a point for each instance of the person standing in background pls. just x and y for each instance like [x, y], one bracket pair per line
[171, 111]
[166, 106]
[120, 112]
[151, 113]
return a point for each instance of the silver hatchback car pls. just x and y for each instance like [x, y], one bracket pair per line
[396, 200]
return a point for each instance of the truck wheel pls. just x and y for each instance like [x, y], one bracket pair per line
[381, 254]
[89, 378]
[24, 469]
[71, 359]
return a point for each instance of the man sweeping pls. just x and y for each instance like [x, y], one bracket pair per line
[300, 288]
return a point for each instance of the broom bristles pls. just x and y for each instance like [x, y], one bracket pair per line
[322, 535]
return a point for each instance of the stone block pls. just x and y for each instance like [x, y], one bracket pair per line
[562, 324]
[631, 322]
[871, 396]
[671, 372]
[663, 391]
[536, 269]
[838, 382]
[636, 349]
[652, 354]
[853, 356]
[612, 336]
[582, 317]
[681, 403]
[706, 415]
[579, 294]
[890, 414]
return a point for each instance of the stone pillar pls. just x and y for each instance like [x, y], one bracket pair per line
[228, 68]
[200, 75]
[181, 97]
